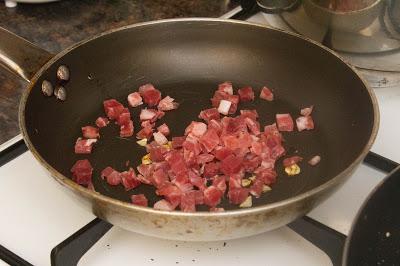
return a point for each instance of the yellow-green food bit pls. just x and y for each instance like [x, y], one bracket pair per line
[246, 182]
[294, 169]
[247, 203]
[142, 142]
[146, 159]
[252, 178]
[266, 188]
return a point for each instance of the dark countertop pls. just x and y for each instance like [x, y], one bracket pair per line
[55, 26]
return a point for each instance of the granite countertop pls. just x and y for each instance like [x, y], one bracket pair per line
[55, 26]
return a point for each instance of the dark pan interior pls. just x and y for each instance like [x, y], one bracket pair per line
[187, 60]
[375, 239]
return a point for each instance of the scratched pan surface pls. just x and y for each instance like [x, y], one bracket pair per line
[187, 60]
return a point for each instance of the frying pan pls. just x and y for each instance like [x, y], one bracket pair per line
[374, 238]
[186, 59]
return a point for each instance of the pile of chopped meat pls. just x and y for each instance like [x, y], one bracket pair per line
[219, 156]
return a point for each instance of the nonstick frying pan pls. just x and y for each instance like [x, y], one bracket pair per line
[374, 238]
[186, 59]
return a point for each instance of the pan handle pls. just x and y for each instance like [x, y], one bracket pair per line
[20, 56]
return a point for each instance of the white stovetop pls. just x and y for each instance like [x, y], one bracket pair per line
[36, 217]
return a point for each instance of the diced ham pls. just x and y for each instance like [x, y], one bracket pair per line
[307, 110]
[126, 130]
[315, 160]
[212, 196]
[268, 176]
[205, 158]
[196, 128]
[224, 107]
[222, 152]
[211, 169]
[113, 177]
[156, 151]
[188, 202]
[147, 123]
[209, 114]
[216, 125]
[254, 126]
[234, 99]
[164, 129]
[151, 97]
[226, 87]
[266, 94]
[84, 146]
[246, 94]
[140, 200]
[198, 181]
[292, 160]
[124, 117]
[167, 104]
[304, 123]
[147, 114]
[113, 108]
[220, 183]
[159, 178]
[252, 114]
[272, 130]
[231, 165]
[284, 122]
[160, 138]
[145, 133]
[210, 140]
[257, 187]
[163, 205]
[129, 180]
[198, 197]
[82, 172]
[176, 162]
[177, 142]
[146, 87]
[90, 132]
[238, 195]
[171, 192]
[146, 171]
[102, 122]
[134, 99]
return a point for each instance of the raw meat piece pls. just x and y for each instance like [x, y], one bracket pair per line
[224, 107]
[129, 180]
[84, 146]
[284, 122]
[113, 177]
[307, 111]
[304, 123]
[134, 99]
[102, 122]
[124, 117]
[145, 133]
[147, 114]
[90, 132]
[164, 129]
[126, 130]
[160, 138]
[140, 200]
[209, 114]
[113, 108]
[292, 160]
[163, 205]
[167, 104]
[266, 94]
[226, 87]
[212, 196]
[188, 202]
[246, 94]
[82, 172]
[238, 195]
[209, 140]
[314, 160]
